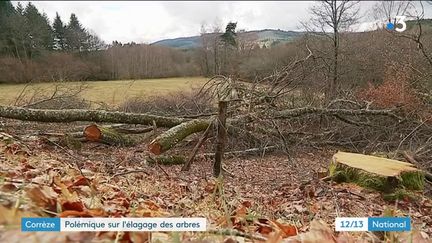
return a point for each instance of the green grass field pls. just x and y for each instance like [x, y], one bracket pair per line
[110, 92]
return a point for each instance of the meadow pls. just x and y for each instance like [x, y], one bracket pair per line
[110, 92]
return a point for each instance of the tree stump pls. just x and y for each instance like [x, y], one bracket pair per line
[375, 172]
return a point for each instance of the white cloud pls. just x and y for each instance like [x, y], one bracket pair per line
[143, 21]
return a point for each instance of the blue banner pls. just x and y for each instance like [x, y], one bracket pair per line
[389, 224]
[40, 224]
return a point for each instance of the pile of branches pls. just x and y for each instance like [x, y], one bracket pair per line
[271, 120]
[273, 113]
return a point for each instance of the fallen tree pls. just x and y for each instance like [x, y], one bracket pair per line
[264, 125]
[176, 134]
[180, 128]
[73, 115]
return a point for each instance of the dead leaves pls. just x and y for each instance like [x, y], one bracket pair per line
[12, 216]
[16, 148]
[319, 232]
[16, 236]
[287, 230]
[64, 192]
[44, 197]
[84, 213]
[8, 187]
[243, 220]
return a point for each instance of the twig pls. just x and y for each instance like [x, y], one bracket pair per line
[247, 151]
[160, 167]
[199, 115]
[19, 97]
[403, 140]
[204, 137]
[282, 136]
[77, 165]
[130, 172]
[224, 169]
[411, 159]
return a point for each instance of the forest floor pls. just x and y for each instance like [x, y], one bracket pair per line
[271, 198]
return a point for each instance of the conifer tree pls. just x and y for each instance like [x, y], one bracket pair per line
[59, 34]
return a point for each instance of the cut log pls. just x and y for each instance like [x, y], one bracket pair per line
[375, 172]
[174, 135]
[72, 115]
[108, 136]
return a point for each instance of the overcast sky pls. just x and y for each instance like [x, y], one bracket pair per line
[143, 21]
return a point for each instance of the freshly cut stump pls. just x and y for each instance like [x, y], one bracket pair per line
[108, 136]
[375, 172]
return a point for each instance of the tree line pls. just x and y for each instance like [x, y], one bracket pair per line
[26, 33]
[34, 50]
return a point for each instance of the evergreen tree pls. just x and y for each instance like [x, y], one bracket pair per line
[229, 36]
[20, 9]
[18, 34]
[94, 42]
[39, 31]
[6, 12]
[76, 36]
[59, 34]
[229, 44]
[6, 8]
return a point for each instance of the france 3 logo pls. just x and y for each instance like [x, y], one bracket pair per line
[399, 25]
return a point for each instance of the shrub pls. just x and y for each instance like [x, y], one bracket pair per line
[178, 103]
[395, 91]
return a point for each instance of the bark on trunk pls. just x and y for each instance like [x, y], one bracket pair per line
[310, 110]
[108, 136]
[87, 115]
[162, 121]
[176, 134]
[221, 138]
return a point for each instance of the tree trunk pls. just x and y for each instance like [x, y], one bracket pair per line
[170, 138]
[72, 115]
[108, 136]
[221, 138]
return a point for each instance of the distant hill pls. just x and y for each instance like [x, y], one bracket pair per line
[426, 23]
[265, 37]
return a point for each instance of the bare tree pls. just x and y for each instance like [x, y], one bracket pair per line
[388, 10]
[330, 18]
[205, 48]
